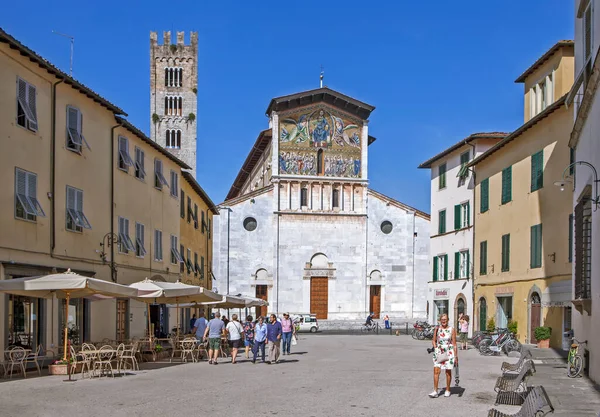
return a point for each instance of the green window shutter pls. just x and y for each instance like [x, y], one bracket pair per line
[532, 248]
[468, 213]
[435, 268]
[457, 217]
[442, 222]
[446, 267]
[442, 176]
[570, 238]
[485, 195]
[537, 171]
[468, 272]
[505, 253]
[456, 265]
[483, 258]
[536, 246]
[506, 185]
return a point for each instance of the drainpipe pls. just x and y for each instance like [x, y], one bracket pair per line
[53, 171]
[113, 270]
[473, 211]
[412, 304]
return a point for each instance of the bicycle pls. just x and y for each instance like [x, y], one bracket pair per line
[575, 359]
[503, 342]
[369, 327]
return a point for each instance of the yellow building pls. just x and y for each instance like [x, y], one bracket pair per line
[522, 221]
[77, 186]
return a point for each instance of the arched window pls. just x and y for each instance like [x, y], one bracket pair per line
[178, 139]
[304, 197]
[166, 77]
[166, 106]
[168, 139]
[320, 162]
[336, 198]
[180, 77]
[180, 108]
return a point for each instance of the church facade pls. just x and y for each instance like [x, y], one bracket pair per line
[301, 228]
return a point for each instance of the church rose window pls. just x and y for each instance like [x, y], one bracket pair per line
[250, 224]
[386, 227]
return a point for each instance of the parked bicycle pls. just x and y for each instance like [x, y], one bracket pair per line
[503, 342]
[372, 327]
[575, 359]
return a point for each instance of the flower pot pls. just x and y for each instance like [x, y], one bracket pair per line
[543, 344]
[62, 369]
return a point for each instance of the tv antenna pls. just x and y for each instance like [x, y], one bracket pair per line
[72, 43]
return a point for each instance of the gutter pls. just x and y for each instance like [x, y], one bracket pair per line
[53, 170]
[472, 169]
[113, 270]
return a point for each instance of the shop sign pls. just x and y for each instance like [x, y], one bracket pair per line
[441, 294]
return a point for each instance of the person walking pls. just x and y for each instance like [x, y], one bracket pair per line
[386, 321]
[260, 339]
[287, 329]
[463, 322]
[274, 339]
[249, 335]
[199, 327]
[225, 321]
[235, 331]
[214, 330]
[445, 355]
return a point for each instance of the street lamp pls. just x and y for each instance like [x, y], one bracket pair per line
[566, 180]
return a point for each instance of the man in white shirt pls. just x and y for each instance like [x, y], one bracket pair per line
[234, 330]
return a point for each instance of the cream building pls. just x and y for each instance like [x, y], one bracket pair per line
[76, 168]
[523, 222]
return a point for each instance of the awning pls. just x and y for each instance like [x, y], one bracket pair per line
[558, 294]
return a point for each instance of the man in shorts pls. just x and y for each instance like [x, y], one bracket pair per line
[214, 331]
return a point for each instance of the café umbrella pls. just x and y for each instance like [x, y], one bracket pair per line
[160, 292]
[65, 286]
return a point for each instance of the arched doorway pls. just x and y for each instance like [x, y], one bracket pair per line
[375, 294]
[460, 306]
[262, 291]
[535, 315]
[482, 314]
[319, 286]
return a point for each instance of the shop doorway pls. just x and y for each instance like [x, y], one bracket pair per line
[262, 293]
[535, 316]
[460, 307]
[504, 311]
[375, 301]
[122, 313]
[25, 321]
[319, 297]
[159, 320]
[441, 307]
[482, 314]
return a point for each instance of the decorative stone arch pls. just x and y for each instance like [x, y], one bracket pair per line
[481, 302]
[535, 294]
[460, 306]
[319, 266]
[317, 274]
[159, 278]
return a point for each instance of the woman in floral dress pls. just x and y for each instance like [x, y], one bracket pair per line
[445, 355]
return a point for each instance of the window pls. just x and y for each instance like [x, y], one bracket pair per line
[140, 172]
[506, 185]
[174, 184]
[483, 258]
[204, 223]
[461, 264]
[442, 222]
[209, 227]
[440, 268]
[463, 172]
[173, 77]
[335, 199]
[173, 139]
[125, 160]
[320, 162]
[535, 248]
[182, 205]
[250, 224]
[571, 161]
[588, 39]
[386, 227]
[27, 206]
[537, 170]
[505, 253]
[188, 261]
[196, 265]
[158, 252]
[76, 220]
[195, 216]
[462, 215]
[75, 138]
[159, 178]
[202, 267]
[140, 251]
[570, 250]
[504, 311]
[125, 243]
[183, 262]
[190, 213]
[442, 175]
[175, 256]
[583, 249]
[173, 106]
[26, 105]
[485, 195]
[303, 197]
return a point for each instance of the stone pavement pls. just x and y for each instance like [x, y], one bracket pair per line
[328, 375]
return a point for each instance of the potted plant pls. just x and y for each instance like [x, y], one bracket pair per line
[59, 367]
[542, 335]
[491, 325]
[513, 328]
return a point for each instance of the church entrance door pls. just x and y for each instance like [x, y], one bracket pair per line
[319, 296]
[261, 292]
[375, 304]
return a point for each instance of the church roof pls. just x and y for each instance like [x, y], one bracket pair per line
[324, 94]
[263, 140]
[399, 204]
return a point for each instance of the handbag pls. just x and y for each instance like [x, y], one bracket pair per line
[441, 357]
[294, 340]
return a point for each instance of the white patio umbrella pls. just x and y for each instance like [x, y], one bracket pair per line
[160, 292]
[227, 301]
[66, 285]
[255, 302]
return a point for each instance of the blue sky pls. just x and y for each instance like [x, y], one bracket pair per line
[436, 71]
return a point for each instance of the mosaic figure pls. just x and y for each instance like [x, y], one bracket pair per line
[340, 134]
[298, 132]
[321, 131]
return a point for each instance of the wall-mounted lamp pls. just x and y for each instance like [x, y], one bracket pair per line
[565, 180]
[553, 256]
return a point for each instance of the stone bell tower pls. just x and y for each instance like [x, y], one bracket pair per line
[173, 95]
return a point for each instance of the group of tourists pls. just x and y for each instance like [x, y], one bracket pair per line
[255, 336]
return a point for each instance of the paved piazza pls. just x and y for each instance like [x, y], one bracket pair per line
[328, 375]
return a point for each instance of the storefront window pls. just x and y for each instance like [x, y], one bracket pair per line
[76, 320]
[504, 311]
[441, 307]
[24, 321]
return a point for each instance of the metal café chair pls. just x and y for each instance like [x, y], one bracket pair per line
[17, 357]
[33, 358]
[103, 362]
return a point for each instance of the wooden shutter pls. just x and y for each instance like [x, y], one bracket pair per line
[442, 222]
[507, 185]
[435, 268]
[31, 102]
[468, 213]
[457, 217]
[505, 252]
[468, 271]
[535, 254]
[446, 267]
[537, 170]
[570, 238]
[456, 265]
[485, 195]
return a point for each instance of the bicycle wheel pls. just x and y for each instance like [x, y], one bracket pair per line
[484, 347]
[574, 367]
[511, 345]
[420, 335]
[414, 333]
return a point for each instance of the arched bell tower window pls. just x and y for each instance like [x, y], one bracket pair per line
[320, 163]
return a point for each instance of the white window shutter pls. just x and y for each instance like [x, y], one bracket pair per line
[31, 101]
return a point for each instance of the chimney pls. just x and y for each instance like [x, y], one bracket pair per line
[180, 38]
[167, 38]
[153, 38]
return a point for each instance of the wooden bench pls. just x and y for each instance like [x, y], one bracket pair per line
[533, 406]
[516, 367]
[512, 388]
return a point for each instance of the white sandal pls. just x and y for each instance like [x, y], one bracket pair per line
[434, 394]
